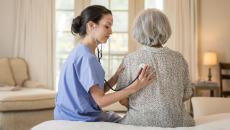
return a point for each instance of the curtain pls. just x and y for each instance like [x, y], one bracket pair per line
[182, 15]
[34, 38]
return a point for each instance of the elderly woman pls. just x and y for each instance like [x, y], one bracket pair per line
[160, 104]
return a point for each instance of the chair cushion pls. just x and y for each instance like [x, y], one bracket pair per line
[6, 77]
[20, 70]
[26, 99]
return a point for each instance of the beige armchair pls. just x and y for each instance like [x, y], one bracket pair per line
[23, 102]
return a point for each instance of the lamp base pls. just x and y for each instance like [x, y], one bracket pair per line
[209, 74]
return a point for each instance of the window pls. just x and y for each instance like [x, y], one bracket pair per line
[64, 38]
[117, 46]
[154, 4]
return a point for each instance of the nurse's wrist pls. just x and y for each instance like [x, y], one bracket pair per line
[132, 89]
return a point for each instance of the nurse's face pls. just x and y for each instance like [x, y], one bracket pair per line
[103, 29]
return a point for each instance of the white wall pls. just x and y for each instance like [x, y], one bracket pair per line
[7, 27]
[214, 33]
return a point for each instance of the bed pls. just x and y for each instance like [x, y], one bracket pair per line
[209, 114]
[220, 124]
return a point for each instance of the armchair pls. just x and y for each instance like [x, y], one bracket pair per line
[23, 102]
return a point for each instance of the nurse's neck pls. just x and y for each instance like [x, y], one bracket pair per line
[90, 43]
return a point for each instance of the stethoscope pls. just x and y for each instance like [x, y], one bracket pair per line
[99, 56]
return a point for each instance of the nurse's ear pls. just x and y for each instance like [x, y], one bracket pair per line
[91, 26]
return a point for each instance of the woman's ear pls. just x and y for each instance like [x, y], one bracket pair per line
[91, 25]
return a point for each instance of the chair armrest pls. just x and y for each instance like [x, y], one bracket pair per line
[33, 84]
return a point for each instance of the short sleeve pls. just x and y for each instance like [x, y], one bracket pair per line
[188, 88]
[125, 77]
[90, 72]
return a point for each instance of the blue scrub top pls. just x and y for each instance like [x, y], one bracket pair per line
[74, 101]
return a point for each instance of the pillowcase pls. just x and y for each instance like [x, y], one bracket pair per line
[6, 76]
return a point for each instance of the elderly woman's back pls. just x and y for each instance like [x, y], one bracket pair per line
[160, 104]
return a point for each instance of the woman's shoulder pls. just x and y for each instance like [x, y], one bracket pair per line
[175, 53]
[132, 56]
[178, 56]
[149, 50]
[137, 53]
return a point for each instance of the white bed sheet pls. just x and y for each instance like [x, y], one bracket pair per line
[214, 122]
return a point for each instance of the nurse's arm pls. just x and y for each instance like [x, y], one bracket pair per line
[104, 100]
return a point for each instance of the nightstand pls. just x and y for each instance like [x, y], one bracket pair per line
[206, 85]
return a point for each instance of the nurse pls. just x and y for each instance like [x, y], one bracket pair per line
[81, 89]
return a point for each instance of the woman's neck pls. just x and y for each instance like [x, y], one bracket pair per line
[89, 42]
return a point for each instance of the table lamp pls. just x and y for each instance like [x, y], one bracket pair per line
[210, 59]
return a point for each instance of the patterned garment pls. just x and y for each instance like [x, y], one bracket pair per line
[161, 103]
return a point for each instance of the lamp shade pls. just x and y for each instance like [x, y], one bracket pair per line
[210, 58]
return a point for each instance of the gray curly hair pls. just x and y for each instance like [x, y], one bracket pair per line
[151, 27]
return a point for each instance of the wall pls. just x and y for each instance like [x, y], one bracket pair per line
[214, 35]
[214, 32]
[7, 27]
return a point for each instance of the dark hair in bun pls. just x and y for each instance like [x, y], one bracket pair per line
[92, 13]
[76, 25]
